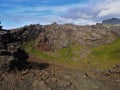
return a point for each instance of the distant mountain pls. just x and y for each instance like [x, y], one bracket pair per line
[112, 21]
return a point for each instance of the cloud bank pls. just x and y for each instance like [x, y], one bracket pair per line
[86, 12]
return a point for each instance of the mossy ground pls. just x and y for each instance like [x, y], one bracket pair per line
[106, 56]
[108, 25]
[99, 58]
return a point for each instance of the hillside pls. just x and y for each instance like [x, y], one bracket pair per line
[55, 36]
[60, 57]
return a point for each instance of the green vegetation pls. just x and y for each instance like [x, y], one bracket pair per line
[101, 58]
[108, 25]
[29, 47]
[106, 56]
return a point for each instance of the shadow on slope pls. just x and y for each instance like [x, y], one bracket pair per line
[20, 62]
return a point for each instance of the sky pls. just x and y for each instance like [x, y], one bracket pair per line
[17, 13]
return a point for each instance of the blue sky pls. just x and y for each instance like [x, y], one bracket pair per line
[17, 13]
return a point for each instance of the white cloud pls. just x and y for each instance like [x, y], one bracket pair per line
[62, 20]
[80, 14]
[111, 7]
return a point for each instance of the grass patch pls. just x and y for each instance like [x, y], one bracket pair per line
[99, 58]
[30, 48]
[108, 25]
[106, 56]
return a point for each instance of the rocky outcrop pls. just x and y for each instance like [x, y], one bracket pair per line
[61, 36]
[116, 30]
[12, 55]
[55, 36]
[27, 33]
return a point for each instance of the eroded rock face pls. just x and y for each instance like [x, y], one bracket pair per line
[43, 43]
[55, 36]
[61, 36]
[116, 30]
[27, 33]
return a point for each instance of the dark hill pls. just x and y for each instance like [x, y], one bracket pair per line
[112, 21]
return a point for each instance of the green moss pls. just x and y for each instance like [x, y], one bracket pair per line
[105, 56]
[108, 25]
[63, 56]
[30, 48]
[67, 53]
[101, 58]
[107, 50]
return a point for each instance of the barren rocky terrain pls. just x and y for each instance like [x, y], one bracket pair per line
[60, 57]
[47, 76]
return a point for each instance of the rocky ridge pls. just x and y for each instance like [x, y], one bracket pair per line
[55, 36]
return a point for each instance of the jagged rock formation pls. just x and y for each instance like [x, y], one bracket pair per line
[55, 36]
[27, 33]
[12, 55]
[116, 30]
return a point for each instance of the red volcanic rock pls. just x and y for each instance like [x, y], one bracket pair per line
[43, 42]
[45, 46]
